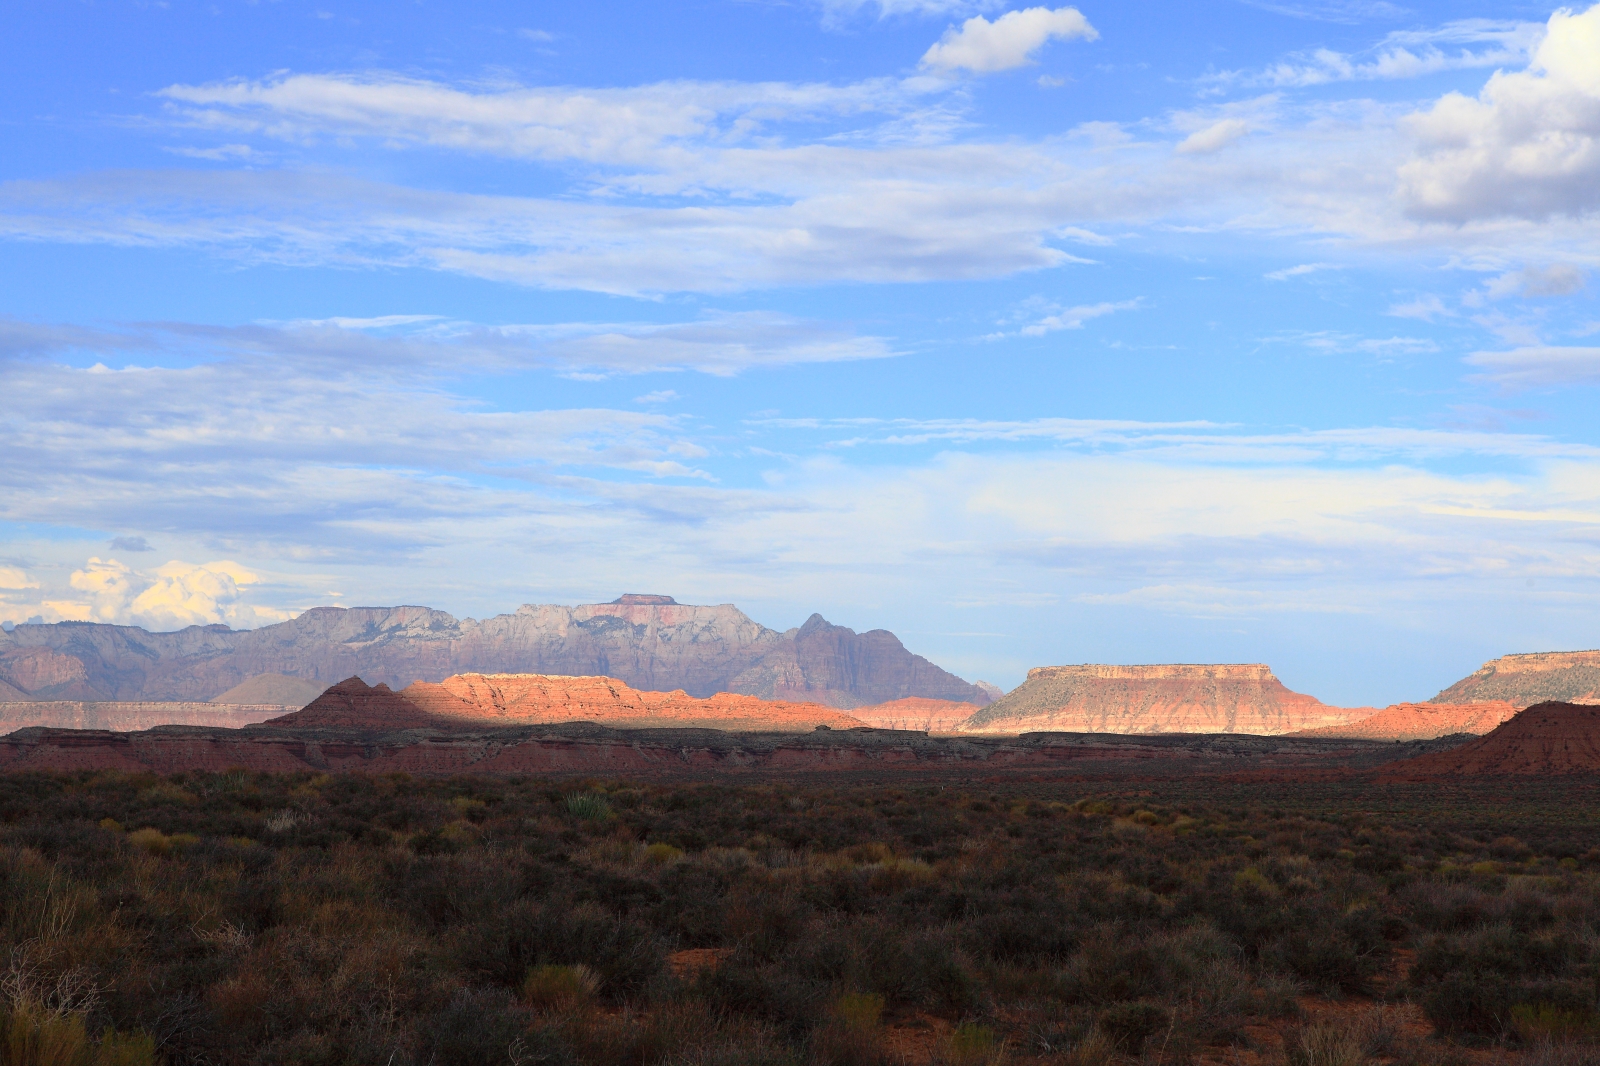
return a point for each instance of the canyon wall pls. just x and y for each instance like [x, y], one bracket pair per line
[650, 642]
[1178, 698]
[1565, 676]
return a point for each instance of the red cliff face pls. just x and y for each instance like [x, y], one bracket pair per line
[1421, 721]
[476, 701]
[1547, 739]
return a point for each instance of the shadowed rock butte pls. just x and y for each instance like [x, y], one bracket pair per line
[1547, 739]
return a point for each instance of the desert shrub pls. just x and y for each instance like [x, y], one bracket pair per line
[623, 954]
[561, 987]
[1129, 1025]
[851, 1034]
[486, 1026]
[587, 807]
[971, 1044]
[1327, 1044]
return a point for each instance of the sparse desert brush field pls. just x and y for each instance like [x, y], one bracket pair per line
[252, 918]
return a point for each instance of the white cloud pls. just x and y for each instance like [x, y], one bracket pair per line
[659, 396]
[1214, 137]
[1528, 146]
[1465, 44]
[1299, 271]
[1348, 11]
[1539, 366]
[1055, 317]
[720, 344]
[985, 47]
[620, 126]
[1424, 308]
[1558, 279]
[838, 11]
[176, 595]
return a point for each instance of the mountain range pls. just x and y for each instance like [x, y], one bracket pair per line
[650, 642]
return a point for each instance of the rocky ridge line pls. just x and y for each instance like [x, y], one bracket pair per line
[1563, 676]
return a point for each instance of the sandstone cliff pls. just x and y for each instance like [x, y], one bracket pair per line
[1547, 739]
[1567, 676]
[1421, 721]
[1155, 699]
[649, 642]
[477, 701]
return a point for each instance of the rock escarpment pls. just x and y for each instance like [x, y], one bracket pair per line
[649, 642]
[1547, 739]
[1564, 676]
[1421, 721]
[1241, 698]
[479, 701]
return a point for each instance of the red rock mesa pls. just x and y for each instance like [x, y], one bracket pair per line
[1547, 739]
[1243, 698]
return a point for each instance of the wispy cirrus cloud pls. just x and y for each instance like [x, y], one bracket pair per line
[1465, 44]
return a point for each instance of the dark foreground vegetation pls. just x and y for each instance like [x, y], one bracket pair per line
[250, 918]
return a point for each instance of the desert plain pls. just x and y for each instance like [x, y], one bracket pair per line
[651, 833]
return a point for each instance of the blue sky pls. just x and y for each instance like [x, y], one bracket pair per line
[1127, 332]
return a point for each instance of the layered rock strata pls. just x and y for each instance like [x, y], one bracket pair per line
[1421, 721]
[649, 642]
[1564, 676]
[929, 716]
[477, 701]
[1092, 698]
[1547, 739]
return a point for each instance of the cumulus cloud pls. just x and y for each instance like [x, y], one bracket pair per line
[1527, 146]
[176, 595]
[985, 47]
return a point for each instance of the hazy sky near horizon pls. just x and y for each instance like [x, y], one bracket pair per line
[1248, 330]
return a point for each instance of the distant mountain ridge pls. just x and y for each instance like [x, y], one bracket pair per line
[650, 642]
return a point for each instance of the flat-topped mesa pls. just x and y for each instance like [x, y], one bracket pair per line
[1160, 672]
[1157, 698]
[1566, 676]
[644, 599]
